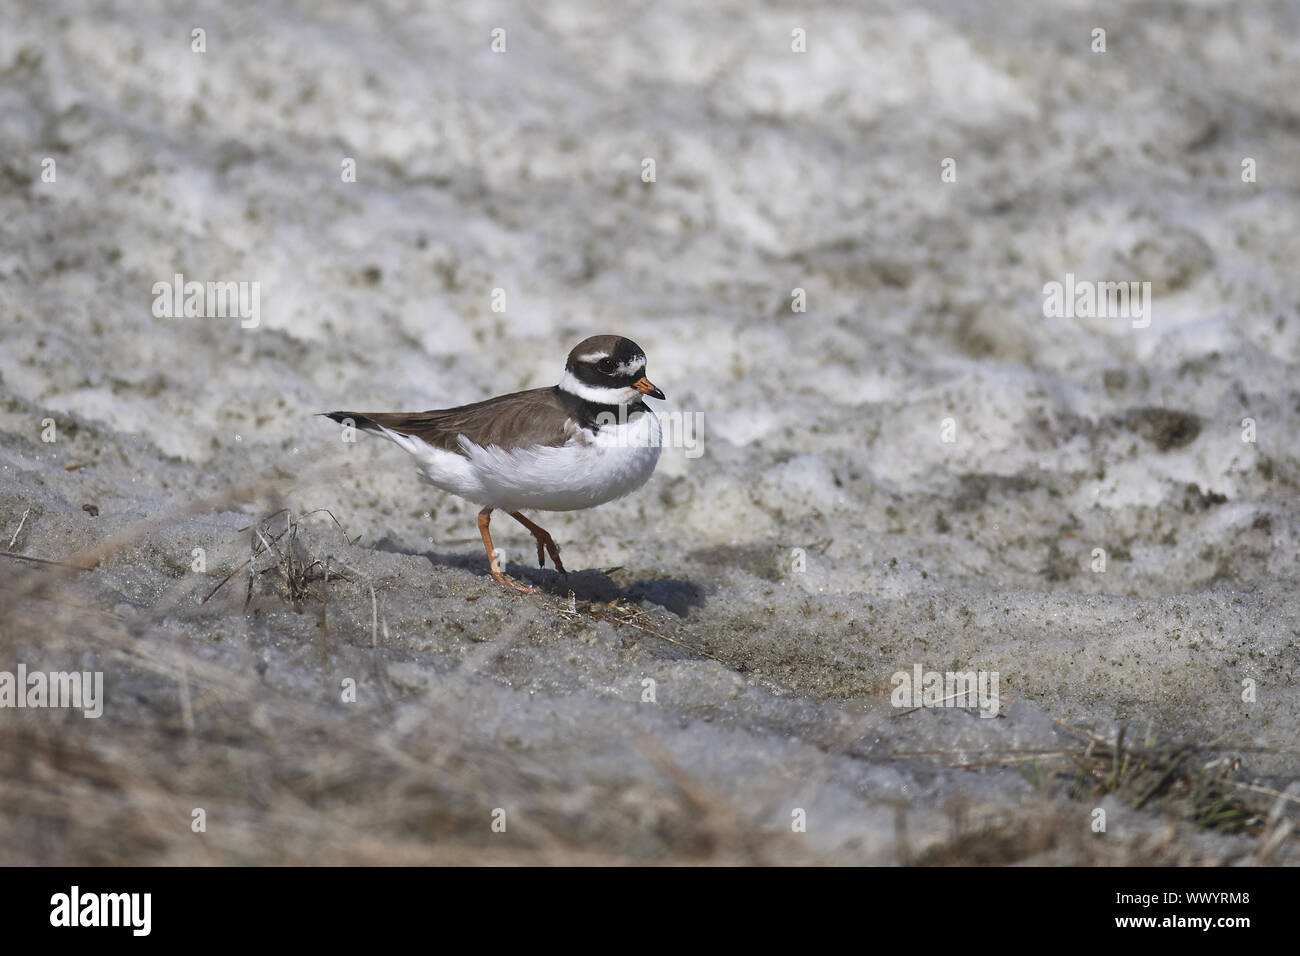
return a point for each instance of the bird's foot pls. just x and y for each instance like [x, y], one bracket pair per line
[544, 540]
[545, 543]
[500, 577]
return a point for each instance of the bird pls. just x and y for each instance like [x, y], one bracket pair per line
[585, 441]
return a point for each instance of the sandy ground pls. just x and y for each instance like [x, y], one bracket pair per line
[920, 468]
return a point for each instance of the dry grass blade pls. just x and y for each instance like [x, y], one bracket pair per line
[45, 561]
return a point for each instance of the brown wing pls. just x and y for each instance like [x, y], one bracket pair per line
[534, 417]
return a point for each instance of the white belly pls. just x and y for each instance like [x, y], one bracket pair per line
[613, 462]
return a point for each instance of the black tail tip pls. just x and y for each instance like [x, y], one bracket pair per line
[356, 418]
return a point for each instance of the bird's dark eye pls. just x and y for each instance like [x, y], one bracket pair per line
[605, 366]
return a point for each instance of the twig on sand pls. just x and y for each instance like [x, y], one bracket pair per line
[943, 700]
[20, 529]
[374, 616]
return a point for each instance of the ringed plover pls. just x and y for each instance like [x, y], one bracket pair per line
[588, 440]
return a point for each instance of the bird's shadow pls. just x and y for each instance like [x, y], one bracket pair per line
[672, 594]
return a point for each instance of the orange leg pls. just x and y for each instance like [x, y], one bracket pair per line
[544, 539]
[498, 575]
